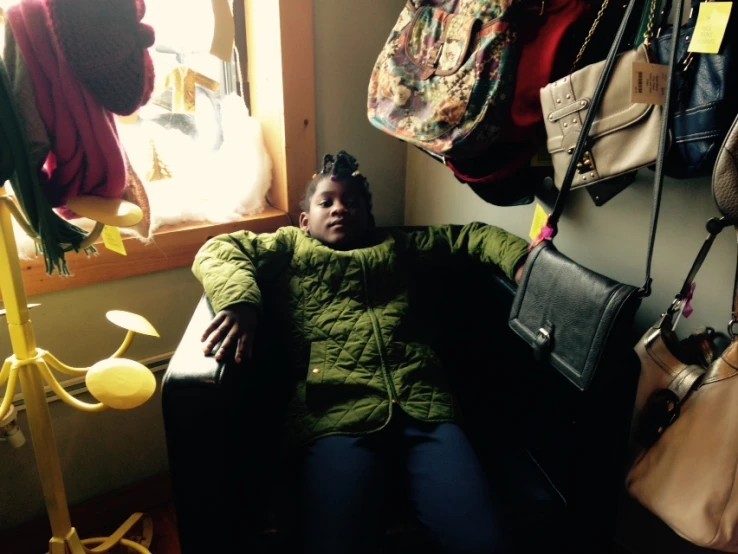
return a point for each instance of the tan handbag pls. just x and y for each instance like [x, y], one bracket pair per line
[671, 367]
[624, 136]
[688, 477]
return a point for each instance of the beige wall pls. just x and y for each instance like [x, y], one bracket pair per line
[349, 35]
[610, 239]
[105, 451]
[102, 452]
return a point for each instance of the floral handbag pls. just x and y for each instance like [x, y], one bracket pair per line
[445, 78]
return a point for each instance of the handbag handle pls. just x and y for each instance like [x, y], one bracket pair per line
[551, 228]
[714, 227]
[588, 38]
[666, 10]
[647, 35]
[733, 316]
[688, 57]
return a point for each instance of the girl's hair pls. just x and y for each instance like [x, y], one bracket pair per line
[342, 167]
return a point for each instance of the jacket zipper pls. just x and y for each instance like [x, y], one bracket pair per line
[377, 333]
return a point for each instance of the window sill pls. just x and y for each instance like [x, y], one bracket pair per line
[173, 247]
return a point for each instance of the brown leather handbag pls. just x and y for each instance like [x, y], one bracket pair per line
[670, 367]
[688, 477]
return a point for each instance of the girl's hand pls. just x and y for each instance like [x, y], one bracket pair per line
[519, 272]
[235, 327]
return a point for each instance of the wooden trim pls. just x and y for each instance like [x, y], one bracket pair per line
[281, 65]
[298, 74]
[173, 247]
[265, 88]
[240, 45]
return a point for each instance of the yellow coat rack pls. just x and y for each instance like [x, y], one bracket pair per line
[115, 382]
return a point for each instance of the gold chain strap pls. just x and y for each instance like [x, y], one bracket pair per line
[647, 35]
[589, 35]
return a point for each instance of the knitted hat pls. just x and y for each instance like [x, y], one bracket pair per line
[106, 46]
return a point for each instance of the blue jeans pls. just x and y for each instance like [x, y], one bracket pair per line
[343, 485]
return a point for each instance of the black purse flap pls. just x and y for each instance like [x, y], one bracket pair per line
[568, 313]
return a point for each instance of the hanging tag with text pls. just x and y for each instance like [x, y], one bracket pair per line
[648, 83]
[113, 241]
[712, 21]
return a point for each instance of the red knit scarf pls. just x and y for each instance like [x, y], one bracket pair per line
[86, 156]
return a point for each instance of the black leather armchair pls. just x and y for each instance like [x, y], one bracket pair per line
[558, 453]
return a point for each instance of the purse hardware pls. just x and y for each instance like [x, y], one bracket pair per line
[543, 341]
[587, 163]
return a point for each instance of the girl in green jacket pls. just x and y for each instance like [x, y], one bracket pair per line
[365, 385]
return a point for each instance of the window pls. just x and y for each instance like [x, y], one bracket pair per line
[194, 146]
[281, 76]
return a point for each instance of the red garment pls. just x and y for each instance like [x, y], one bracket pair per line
[545, 56]
[542, 51]
[86, 156]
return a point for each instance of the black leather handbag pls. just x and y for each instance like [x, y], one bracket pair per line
[576, 319]
[706, 97]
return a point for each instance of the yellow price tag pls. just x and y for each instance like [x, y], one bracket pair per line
[540, 217]
[113, 241]
[710, 29]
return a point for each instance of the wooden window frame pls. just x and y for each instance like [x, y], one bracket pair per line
[281, 78]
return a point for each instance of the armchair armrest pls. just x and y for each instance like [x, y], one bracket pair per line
[205, 425]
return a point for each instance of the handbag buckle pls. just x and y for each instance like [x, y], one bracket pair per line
[587, 163]
[732, 327]
[543, 341]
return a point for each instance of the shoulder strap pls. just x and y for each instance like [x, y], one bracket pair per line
[733, 321]
[666, 11]
[714, 227]
[724, 367]
[551, 228]
[658, 178]
[682, 299]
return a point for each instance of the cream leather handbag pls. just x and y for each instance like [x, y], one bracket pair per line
[624, 137]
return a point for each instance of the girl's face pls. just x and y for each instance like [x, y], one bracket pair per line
[338, 215]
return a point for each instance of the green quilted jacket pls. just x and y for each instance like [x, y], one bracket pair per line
[349, 341]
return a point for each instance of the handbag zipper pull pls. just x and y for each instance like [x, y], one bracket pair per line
[687, 61]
